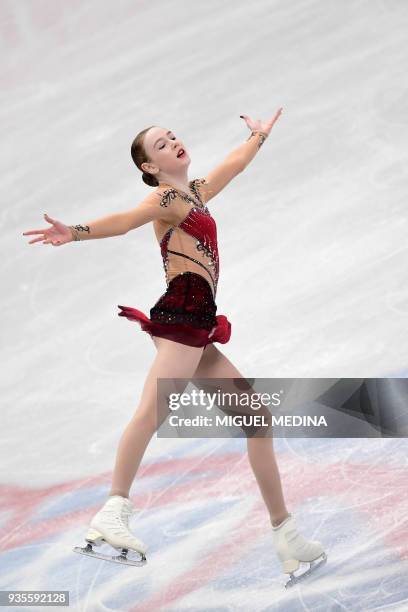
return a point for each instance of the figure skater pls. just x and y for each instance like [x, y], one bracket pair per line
[183, 323]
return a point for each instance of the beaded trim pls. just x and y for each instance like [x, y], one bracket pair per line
[197, 262]
[75, 229]
[172, 193]
[207, 319]
[263, 137]
[167, 197]
[199, 247]
[170, 316]
[171, 229]
[195, 189]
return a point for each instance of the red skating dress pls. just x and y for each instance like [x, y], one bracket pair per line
[186, 312]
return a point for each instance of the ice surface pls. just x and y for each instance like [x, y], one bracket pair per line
[313, 253]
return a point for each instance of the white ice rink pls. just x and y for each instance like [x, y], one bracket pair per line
[313, 277]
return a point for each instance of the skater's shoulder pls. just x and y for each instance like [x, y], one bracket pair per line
[158, 201]
[149, 209]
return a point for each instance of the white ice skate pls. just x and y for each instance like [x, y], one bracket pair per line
[111, 525]
[292, 549]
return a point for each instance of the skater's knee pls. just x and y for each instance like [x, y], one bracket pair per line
[147, 419]
[265, 428]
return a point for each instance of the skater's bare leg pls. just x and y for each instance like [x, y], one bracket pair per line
[214, 364]
[173, 360]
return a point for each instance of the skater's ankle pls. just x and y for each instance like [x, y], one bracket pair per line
[121, 493]
[276, 522]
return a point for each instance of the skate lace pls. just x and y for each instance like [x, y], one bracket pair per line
[122, 519]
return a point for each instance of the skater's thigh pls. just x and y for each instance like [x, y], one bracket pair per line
[214, 364]
[175, 359]
[172, 360]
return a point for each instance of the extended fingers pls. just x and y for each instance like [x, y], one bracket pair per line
[42, 238]
[36, 239]
[258, 121]
[270, 123]
[49, 218]
[42, 231]
[278, 112]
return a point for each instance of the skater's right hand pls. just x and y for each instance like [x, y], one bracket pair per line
[56, 235]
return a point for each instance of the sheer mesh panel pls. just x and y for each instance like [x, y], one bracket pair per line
[191, 245]
[186, 312]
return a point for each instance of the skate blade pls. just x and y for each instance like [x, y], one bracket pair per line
[121, 559]
[314, 565]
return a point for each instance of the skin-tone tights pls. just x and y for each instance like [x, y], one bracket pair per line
[175, 360]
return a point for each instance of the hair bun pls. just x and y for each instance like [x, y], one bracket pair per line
[150, 179]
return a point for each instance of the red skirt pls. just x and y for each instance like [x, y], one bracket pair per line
[185, 313]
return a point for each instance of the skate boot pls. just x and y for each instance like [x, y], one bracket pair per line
[111, 525]
[292, 549]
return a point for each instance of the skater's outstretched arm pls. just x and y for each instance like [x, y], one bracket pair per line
[238, 159]
[111, 225]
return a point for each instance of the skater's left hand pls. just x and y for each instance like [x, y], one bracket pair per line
[263, 126]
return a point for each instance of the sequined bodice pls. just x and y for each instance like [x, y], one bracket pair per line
[191, 245]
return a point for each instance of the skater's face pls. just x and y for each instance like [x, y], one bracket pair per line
[162, 147]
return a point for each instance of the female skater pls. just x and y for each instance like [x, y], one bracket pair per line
[183, 323]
